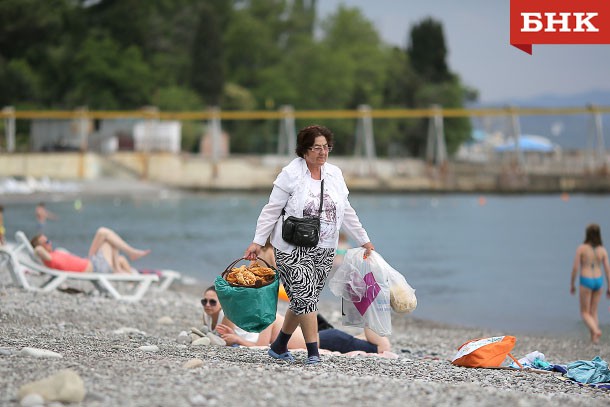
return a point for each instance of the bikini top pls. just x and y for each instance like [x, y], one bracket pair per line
[596, 259]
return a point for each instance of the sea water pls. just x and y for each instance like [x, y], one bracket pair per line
[499, 262]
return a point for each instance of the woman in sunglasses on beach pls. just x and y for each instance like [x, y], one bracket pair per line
[215, 320]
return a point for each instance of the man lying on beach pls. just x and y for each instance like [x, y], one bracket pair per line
[329, 338]
[104, 254]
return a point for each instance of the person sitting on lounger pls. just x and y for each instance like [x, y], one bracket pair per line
[330, 338]
[104, 254]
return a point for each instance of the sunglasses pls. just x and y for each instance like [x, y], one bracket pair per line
[205, 301]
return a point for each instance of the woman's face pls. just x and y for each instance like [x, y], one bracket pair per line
[317, 154]
[211, 305]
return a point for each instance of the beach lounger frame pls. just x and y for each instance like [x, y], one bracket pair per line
[19, 260]
[166, 278]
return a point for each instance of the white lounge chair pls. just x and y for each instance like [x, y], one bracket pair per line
[21, 259]
[165, 277]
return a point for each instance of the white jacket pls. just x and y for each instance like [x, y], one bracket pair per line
[290, 191]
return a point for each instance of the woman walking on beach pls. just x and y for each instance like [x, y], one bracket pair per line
[589, 259]
[308, 187]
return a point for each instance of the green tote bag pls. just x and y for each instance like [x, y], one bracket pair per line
[251, 308]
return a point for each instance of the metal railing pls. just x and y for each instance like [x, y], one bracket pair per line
[286, 116]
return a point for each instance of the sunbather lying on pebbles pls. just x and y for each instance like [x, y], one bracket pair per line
[329, 338]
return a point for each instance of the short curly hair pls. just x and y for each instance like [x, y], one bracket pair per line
[307, 136]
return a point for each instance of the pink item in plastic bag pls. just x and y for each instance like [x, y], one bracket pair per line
[372, 289]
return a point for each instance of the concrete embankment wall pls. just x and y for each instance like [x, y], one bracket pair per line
[258, 172]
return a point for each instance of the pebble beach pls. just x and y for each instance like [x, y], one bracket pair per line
[127, 354]
[131, 354]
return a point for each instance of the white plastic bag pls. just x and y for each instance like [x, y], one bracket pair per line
[365, 305]
[347, 283]
[402, 295]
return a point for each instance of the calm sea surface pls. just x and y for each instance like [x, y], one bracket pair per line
[503, 262]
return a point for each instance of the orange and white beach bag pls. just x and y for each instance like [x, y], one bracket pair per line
[485, 352]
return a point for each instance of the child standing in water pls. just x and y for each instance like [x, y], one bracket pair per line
[589, 259]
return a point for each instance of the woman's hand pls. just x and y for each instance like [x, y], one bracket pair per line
[231, 339]
[252, 251]
[572, 289]
[368, 248]
[228, 334]
[223, 329]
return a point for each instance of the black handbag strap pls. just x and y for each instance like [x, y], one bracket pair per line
[321, 200]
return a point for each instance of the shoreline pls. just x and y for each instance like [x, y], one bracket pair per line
[115, 371]
[107, 187]
[138, 189]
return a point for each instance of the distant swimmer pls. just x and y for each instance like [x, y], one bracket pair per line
[590, 257]
[42, 215]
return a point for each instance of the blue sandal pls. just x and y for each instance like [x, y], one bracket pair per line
[286, 356]
[313, 360]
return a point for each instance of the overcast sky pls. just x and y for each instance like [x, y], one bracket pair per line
[477, 36]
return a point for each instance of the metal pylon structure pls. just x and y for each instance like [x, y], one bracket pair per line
[515, 135]
[287, 142]
[596, 149]
[365, 141]
[151, 119]
[82, 128]
[9, 128]
[215, 132]
[436, 148]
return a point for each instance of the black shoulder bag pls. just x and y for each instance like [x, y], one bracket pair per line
[304, 232]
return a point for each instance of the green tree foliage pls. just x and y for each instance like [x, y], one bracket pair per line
[34, 40]
[183, 55]
[18, 81]
[427, 51]
[207, 70]
[349, 33]
[29, 26]
[435, 84]
[110, 77]
[249, 49]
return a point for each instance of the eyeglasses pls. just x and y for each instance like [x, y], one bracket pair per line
[319, 149]
[204, 302]
[48, 241]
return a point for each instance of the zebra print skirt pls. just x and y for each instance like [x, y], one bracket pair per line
[303, 273]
